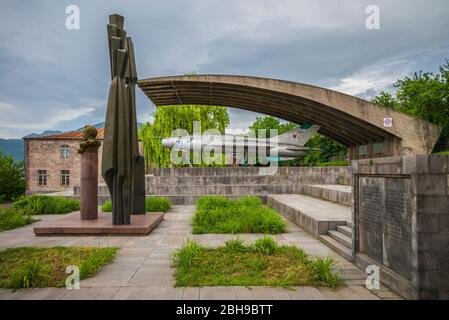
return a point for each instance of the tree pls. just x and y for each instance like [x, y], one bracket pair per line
[12, 178]
[268, 122]
[169, 118]
[423, 95]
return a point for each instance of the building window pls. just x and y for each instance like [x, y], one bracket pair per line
[378, 149]
[363, 150]
[65, 177]
[64, 151]
[42, 177]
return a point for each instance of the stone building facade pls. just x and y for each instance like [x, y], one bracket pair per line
[53, 163]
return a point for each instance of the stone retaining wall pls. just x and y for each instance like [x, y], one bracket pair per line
[401, 222]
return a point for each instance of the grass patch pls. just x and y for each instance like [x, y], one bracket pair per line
[341, 163]
[442, 153]
[264, 263]
[38, 204]
[217, 214]
[45, 267]
[159, 204]
[12, 219]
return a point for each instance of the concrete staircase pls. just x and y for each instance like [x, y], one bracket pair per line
[322, 210]
[340, 240]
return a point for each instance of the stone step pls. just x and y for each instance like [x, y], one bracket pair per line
[340, 237]
[330, 192]
[190, 200]
[221, 189]
[349, 224]
[337, 247]
[314, 215]
[223, 180]
[347, 231]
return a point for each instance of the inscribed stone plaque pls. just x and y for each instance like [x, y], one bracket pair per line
[397, 226]
[370, 217]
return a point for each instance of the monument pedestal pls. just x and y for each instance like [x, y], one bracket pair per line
[89, 184]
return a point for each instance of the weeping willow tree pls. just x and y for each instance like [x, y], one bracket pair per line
[169, 118]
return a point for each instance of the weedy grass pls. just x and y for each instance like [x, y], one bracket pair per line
[39, 204]
[218, 214]
[12, 219]
[260, 264]
[29, 267]
[157, 204]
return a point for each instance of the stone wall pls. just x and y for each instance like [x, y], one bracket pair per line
[401, 222]
[44, 154]
[304, 175]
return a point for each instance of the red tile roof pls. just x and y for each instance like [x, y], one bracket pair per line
[76, 135]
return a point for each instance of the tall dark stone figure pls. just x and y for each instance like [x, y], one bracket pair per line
[121, 160]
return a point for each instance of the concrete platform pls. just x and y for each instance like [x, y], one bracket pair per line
[314, 215]
[330, 192]
[71, 224]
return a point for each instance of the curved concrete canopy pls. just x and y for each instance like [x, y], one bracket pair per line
[347, 119]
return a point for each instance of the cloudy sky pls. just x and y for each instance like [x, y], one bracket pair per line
[52, 78]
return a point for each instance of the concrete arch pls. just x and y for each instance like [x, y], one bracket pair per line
[350, 120]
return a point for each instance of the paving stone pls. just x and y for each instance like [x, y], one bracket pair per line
[226, 293]
[191, 294]
[208, 293]
[131, 293]
[156, 293]
[142, 269]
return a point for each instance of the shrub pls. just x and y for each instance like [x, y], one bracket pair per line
[325, 270]
[185, 256]
[218, 214]
[12, 219]
[38, 204]
[107, 206]
[158, 204]
[12, 178]
[234, 245]
[265, 245]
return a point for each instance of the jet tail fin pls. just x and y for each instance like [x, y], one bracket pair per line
[299, 136]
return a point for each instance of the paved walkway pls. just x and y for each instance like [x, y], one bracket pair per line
[142, 267]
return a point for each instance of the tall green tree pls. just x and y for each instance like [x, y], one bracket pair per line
[169, 118]
[268, 122]
[424, 95]
[12, 178]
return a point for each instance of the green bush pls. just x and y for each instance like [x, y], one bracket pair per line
[218, 214]
[151, 205]
[265, 245]
[12, 178]
[12, 219]
[185, 256]
[38, 204]
[157, 204]
[325, 270]
[107, 206]
[234, 245]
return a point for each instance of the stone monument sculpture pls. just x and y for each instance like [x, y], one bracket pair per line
[89, 174]
[122, 165]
